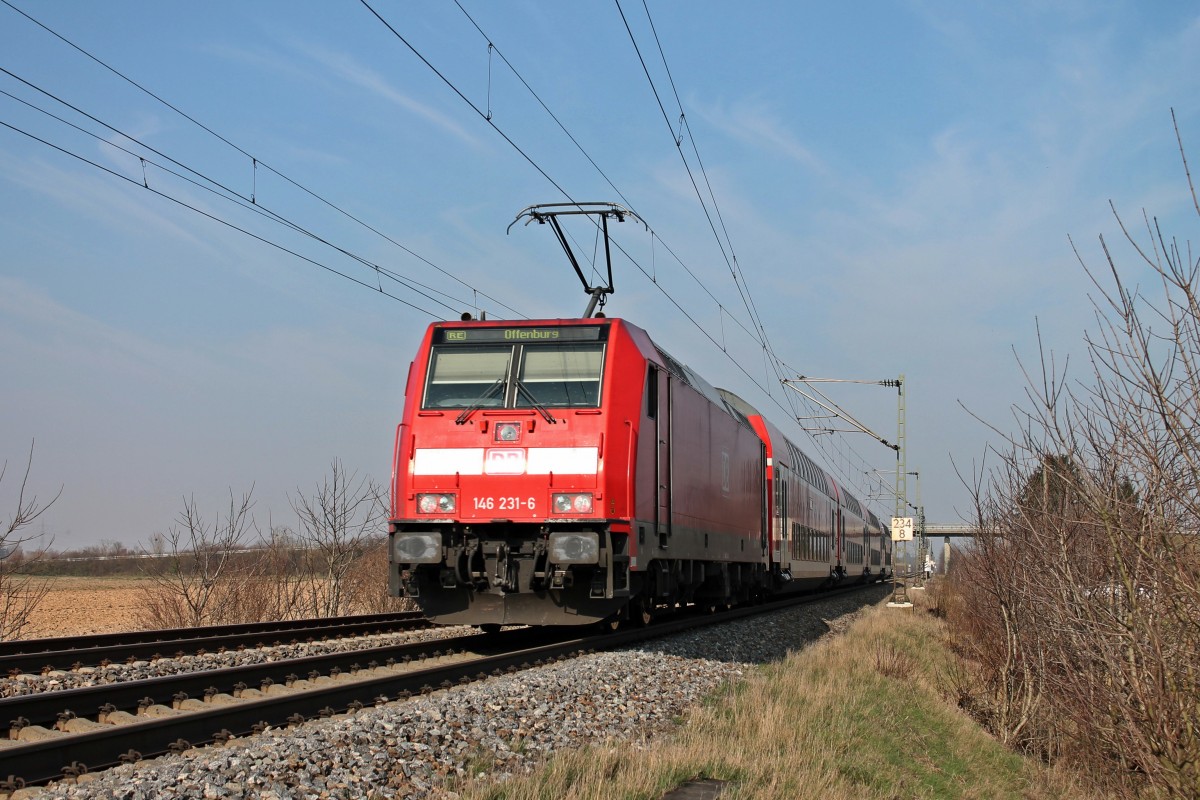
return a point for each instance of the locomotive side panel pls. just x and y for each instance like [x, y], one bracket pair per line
[649, 477]
[717, 482]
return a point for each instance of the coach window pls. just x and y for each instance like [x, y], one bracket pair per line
[461, 377]
[566, 375]
[651, 391]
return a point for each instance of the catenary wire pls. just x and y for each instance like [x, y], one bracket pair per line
[487, 118]
[221, 190]
[557, 121]
[751, 307]
[213, 217]
[772, 359]
[257, 161]
[704, 287]
[546, 175]
[735, 267]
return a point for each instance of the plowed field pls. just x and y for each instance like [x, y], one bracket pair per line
[87, 605]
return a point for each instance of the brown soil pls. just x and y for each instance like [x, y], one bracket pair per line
[76, 606]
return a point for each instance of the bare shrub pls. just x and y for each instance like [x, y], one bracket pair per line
[890, 660]
[279, 585]
[205, 576]
[21, 553]
[338, 523]
[1081, 600]
[366, 585]
[224, 572]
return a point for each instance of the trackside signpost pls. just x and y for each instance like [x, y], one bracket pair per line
[902, 531]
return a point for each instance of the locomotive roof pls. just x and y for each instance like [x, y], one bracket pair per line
[783, 448]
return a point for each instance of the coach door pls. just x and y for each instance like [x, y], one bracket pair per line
[835, 542]
[781, 513]
[764, 502]
[658, 402]
[840, 533]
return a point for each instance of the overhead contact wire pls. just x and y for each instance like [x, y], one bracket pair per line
[738, 281]
[757, 334]
[557, 121]
[629, 204]
[254, 159]
[774, 362]
[465, 99]
[212, 217]
[224, 192]
[542, 171]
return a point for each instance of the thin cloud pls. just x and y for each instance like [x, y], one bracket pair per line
[52, 333]
[755, 125]
[95, 197]
[364, 77]
[349, 70]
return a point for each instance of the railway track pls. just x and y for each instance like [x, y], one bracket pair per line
[68, 733]
[43, 655]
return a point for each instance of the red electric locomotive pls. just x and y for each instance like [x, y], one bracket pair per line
[543, 465]
[569, 471]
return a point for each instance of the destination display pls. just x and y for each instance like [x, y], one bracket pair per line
[574, 333]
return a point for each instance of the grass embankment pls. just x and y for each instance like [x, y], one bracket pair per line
[860, 715]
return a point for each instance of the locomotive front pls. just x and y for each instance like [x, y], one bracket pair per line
[501, 512]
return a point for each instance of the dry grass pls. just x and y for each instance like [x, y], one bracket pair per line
[856, 716]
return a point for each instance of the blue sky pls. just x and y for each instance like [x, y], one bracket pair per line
[898, 182]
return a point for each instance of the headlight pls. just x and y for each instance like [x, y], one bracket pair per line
[508, 432]
[575, 548]
[572, 503]
[418, 548]
[435, 503]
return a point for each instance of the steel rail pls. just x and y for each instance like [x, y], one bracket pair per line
[16, 646]
[48, 708]
[68, 657]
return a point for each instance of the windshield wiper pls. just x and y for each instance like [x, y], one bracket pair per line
[471, 409]
[534, 402]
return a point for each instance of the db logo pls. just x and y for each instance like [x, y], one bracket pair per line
[504, 462]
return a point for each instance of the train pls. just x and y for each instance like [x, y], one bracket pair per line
[571, 472]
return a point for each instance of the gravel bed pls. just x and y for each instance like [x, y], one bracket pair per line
[57, 680]
[508, 725]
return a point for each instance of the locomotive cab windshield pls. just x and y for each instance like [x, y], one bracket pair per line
[516, 368]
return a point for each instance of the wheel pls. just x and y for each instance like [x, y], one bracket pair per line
[489, 627]
[641, 613]
[612, 624]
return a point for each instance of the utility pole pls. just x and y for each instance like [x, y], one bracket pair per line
[900, 589]
[922, 539]
[901, 462]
